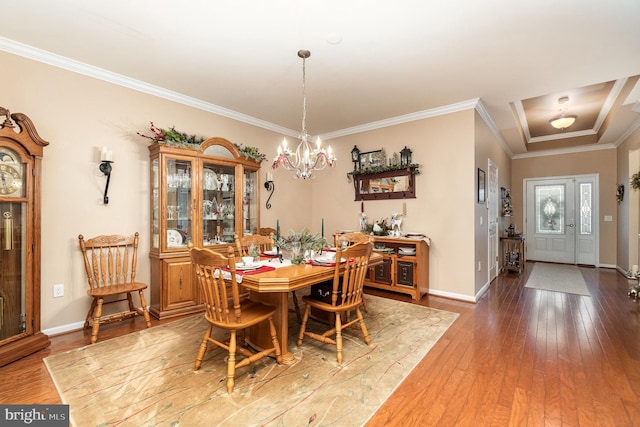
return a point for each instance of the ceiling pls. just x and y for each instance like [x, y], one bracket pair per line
[371, 64]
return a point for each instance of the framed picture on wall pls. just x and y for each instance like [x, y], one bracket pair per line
[482, 185]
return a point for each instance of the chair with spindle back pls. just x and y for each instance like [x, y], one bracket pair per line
[110, 263]
[346, 296]
[228, 312]
[351, 238]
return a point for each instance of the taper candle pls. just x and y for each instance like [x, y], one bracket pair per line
[404, 208]
[277, 228]
[323, 228]
[361, 206]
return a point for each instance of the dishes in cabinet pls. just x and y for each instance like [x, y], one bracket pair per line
[174, 238]
[407, 251]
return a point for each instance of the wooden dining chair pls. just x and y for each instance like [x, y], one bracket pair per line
[346, 296]
[243, 244]
[352, 238]
[263, 244]
[228, 312]
[110, 263]
[267, 231]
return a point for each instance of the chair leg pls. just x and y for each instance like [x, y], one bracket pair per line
[274, 339]
[145, 312]
[90, 313]
[364, 305]
[203, 348]
[303, 324]
[96, 321]
[363, 327]
[296, 306]
[338, 328]
[231, 364]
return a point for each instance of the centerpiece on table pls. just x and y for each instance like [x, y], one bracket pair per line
[300, 243]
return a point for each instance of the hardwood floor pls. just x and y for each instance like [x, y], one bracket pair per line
[518, 357]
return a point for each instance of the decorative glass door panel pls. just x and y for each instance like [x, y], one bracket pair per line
[178, 215]
[218, 200]
[250, 202]
[550, 207]
[13, 296]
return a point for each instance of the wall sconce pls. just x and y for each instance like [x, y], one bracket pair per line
[106, 158]
[270, 186]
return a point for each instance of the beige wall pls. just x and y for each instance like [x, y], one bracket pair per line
[601, 162]
[628, 161]
[443, 208]
[487, 148]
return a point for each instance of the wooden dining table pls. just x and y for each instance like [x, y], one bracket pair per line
[273, 287]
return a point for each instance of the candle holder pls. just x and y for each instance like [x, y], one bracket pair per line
[105, 168]
[271, 187]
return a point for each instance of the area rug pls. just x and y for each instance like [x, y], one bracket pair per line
[147, 378]
[557, 278]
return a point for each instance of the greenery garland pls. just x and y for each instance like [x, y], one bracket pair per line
[415, 169]
[251, 153]
[176, 138]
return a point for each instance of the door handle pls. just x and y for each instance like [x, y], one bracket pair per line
[569, 225]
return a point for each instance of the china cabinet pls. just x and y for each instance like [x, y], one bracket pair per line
[21, 152]
[405, 266]
[200, 196]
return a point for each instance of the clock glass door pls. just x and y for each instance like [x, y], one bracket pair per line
[13, 296]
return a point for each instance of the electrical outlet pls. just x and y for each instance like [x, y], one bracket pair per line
[58, 290]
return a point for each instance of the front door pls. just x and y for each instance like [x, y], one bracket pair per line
[560, 225]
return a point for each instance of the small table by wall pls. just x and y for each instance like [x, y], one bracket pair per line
[513, 257]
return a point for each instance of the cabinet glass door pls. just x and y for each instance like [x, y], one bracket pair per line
[219, 207]
[250, 202]
[178, 215]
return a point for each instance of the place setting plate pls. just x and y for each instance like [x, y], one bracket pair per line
[244, 267]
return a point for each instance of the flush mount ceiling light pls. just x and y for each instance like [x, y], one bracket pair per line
[563, 121]
[305, 161]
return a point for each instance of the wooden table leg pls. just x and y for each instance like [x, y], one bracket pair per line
[259, 335]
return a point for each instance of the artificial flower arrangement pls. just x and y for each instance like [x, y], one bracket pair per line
[172, 137]
[299, 243]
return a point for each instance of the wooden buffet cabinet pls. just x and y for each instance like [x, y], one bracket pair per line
[408, 274]
[202, 197]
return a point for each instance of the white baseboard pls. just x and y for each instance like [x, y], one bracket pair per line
[63, 329]
[452, 295]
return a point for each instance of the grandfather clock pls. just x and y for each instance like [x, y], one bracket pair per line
[20, 175]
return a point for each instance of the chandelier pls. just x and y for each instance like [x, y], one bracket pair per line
[305, 160]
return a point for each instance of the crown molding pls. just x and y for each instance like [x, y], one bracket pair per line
[411, 117]
[59, 61]
[568, 150]
[484, 114]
